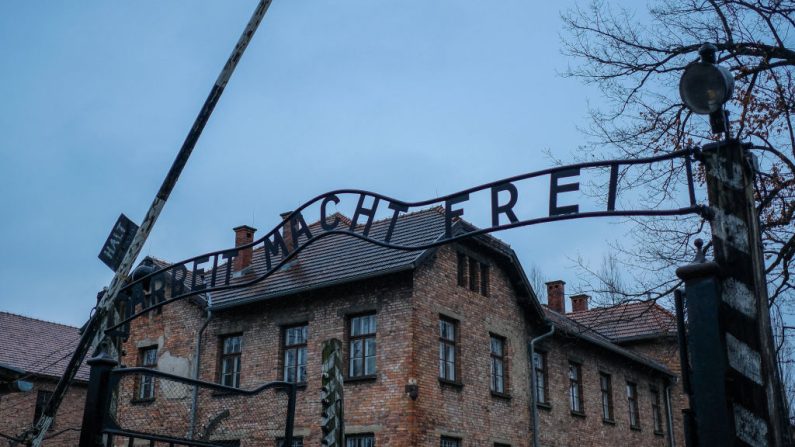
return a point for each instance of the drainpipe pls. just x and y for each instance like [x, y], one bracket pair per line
[534, 410]
[196, 363]
[671, 437]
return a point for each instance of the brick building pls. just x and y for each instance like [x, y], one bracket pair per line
[37, 352]
[642, 331]
[455, 321]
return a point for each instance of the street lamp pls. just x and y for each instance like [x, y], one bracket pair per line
[705, 87]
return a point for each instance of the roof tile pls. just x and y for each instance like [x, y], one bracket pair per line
[628, 320]
[38, 347]
[337, 258]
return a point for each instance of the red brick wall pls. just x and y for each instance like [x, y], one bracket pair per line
[470, 411]
[408, 307]
[559, 427]
[378, 406]
[17, 412]
[666, 351]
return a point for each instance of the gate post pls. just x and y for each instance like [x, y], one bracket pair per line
[751, 397]
[708, 423]
[333, 425]
[97, 399]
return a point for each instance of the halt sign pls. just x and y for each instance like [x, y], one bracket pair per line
[118, 242]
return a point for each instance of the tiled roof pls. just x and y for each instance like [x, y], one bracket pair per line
[628, 321]
[38, 347]
[339, 258]
[568, 326]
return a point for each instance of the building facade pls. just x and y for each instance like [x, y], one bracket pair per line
[435, 346]
[36, 352]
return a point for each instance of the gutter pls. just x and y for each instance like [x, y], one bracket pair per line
[534, 409]
[649, 363]
[196, 363]
[671, 437]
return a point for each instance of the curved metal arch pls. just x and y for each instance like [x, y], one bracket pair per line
[613, 164]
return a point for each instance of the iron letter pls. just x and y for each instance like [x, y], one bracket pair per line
[178, 275]
[450, 213]
[198, 272]
[324, 213]
[299, 227]
[273, 248]
[611, 193]
[361, 210]
[507, 209]
[229, 255]
[555, 189]
[398, 209]
[157, 288]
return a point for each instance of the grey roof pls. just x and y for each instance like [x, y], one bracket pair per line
[629, 321]
[338, 259]
[38, 347]
[575, 329]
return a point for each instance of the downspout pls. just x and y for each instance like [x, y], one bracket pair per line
[196, 363]
[534, 409]
[668, 410]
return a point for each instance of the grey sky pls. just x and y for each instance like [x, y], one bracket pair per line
[412, 99]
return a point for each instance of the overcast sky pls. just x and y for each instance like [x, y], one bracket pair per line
[411, 99]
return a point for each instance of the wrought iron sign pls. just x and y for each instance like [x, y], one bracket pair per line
[118, 242]
[213, 271]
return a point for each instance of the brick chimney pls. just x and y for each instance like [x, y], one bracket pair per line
[579, 303]
[555, 292]
[243, 235]
[287, 232]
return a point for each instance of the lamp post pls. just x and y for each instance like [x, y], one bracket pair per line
[735, 396]
[705, 87]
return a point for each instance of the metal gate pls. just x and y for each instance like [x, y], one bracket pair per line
[141, 407]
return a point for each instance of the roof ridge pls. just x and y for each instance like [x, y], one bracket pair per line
[650, 302]
[155, 258]
[586, 327]
[39, 319]
[437, 208]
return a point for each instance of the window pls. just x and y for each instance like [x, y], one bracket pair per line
[497, 364]
[448, 329]
[450, 442]
[462, 270]
[499, 444]
[362, 346]
[655, 410]
[632, 400]
[540, 371]
[297, 442]
[294, 349]
[367, 440]
[472, 274]
[474, 285]
[229, 374]
[42, 397]
[575, 387]
[484, 279]
[228, 443]
[147, 357]
[606, 386]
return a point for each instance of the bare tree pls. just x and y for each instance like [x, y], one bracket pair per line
[605, 284]
[538, 281]
[636, 61]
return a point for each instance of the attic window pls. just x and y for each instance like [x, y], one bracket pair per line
[472, 274]
[462, 269]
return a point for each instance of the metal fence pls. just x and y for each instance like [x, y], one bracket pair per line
[144, 407]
